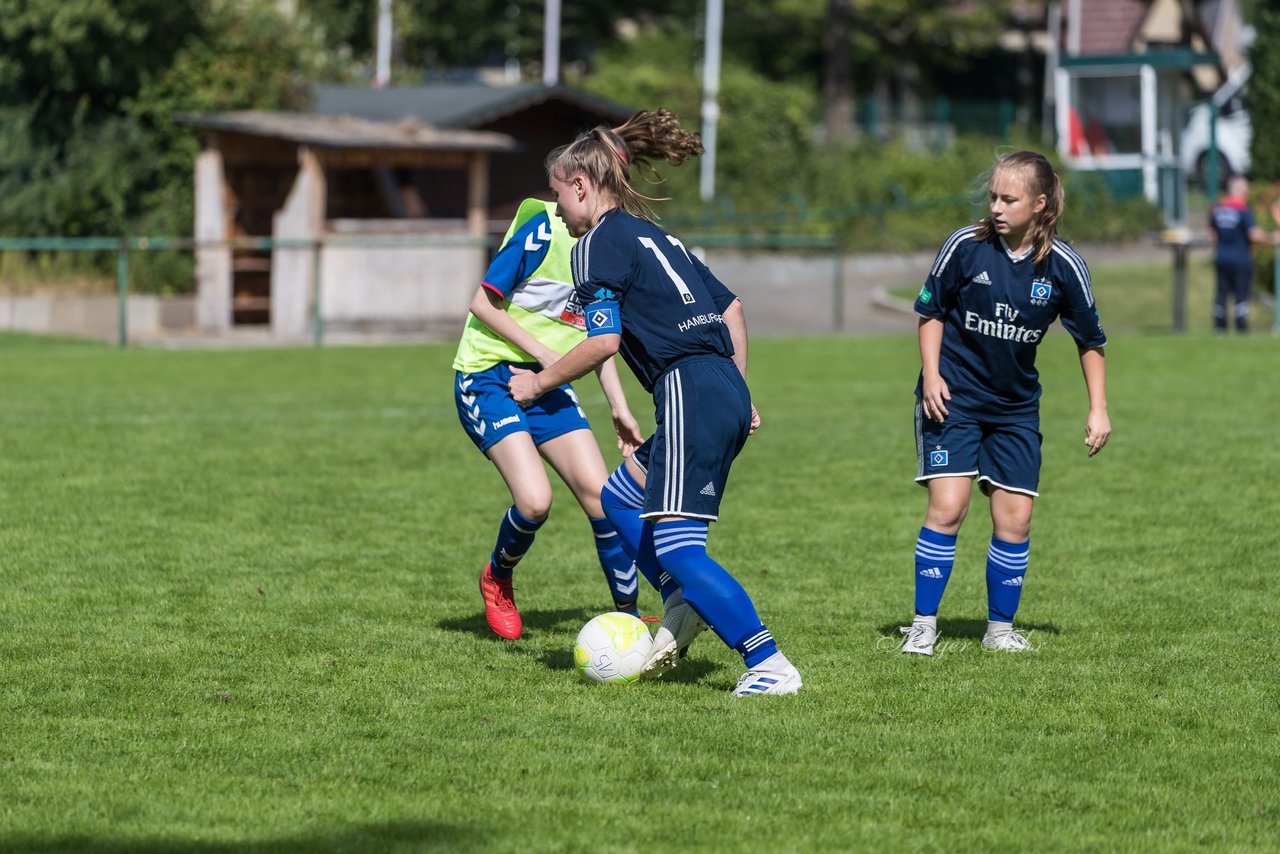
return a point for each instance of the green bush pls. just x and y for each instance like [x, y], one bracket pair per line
[773, 175]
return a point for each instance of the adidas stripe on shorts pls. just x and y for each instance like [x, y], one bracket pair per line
[703, 415]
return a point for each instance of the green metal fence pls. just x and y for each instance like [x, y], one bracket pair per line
[123, 246]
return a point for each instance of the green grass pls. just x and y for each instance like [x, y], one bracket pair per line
[238, 612]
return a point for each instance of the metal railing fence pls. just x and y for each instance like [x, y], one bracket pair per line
[123, 246]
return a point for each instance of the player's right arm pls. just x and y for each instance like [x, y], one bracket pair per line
[599, 277]
[934, 393]
[489, 307]
[936, 293]
[512, 264]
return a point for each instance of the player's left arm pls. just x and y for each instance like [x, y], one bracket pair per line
[735, 318]
[624, 423]
[1097, 426]
[1079, 316]
[1253, 231]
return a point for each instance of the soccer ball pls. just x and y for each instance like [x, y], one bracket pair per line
[612, 648]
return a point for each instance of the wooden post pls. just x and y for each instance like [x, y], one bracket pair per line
[478, 193]
[213, 256]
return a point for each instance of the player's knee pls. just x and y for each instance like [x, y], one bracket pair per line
[1013, 531]
[1013, 525]
[620, 494]
[534, 506]
[945, 517]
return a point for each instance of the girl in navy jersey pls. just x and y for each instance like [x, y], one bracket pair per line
[989, 300]
[684, 335]
[525, 313]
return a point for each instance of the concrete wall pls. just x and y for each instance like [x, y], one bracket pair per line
[96, 317]
[422, 292]
[398, 288]
[795, 293]
[213, 266]
[301, 218]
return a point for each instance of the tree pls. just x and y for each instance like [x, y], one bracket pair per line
[837, 78]
[1263, 97]
[78, 60]
[438, 35]
[88, 93]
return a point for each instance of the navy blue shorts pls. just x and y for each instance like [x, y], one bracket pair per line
[490, 414]
[1006, 456]
[703, 415]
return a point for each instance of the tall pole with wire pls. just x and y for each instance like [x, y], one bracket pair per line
[551, 44]
[710, 95]
[382, 71]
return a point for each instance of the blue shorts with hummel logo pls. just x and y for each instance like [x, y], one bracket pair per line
[1005, 456]
[490, 414]
[702, 417]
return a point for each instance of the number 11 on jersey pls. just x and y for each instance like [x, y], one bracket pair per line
[685, 293]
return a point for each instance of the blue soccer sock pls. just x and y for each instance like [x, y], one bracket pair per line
[717, 597]
[935, 558]
[515, 535]
[1006, 566]
[619, 568]
[648, 557]
[623, 499]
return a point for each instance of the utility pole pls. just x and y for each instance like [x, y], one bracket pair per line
[382, 72]
[551, 44]
[710, 94]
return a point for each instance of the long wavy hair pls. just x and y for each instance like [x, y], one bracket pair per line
[1040, 179]
[606, 156]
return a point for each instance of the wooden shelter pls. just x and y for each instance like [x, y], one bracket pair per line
[539, 117]
[330, 192]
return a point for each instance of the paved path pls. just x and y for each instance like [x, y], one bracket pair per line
[785, 294]
[797, 295]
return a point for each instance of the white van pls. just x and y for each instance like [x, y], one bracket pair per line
[1233, 133]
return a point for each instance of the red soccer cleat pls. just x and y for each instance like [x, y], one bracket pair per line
[500, 605]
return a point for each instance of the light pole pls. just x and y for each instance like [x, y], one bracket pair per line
[710, 92]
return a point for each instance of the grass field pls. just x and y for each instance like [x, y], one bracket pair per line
[238, 612]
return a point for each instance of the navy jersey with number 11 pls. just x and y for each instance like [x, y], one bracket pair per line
[640, 282]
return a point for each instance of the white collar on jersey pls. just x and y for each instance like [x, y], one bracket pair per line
[1012, 257]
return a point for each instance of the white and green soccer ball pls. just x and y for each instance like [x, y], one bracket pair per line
[612, 648]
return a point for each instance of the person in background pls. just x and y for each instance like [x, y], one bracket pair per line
[1233, 231]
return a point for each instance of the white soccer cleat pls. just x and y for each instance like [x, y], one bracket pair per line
[1006, 639]
[774, 675]
[680, 625]
[921, 636]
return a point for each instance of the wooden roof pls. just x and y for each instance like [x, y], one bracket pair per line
[348, 132]
[458, 105]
